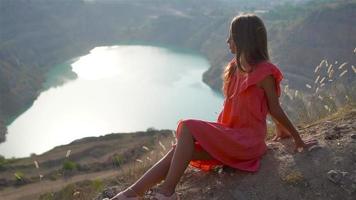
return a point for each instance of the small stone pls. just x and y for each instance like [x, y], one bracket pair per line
[353, 186]
[347, 130]
[332, 135]
[336, 128]
[353, 136]
[109, 192]
[326, 123]
[314, 147]
[345, 174]
[237, 194]
[334, 176]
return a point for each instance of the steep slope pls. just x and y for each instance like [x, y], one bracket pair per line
[300, 37]
[92, 158]
[325, 33]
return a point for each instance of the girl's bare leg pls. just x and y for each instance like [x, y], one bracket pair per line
[153, 176]
[183, 154]
[159, 171]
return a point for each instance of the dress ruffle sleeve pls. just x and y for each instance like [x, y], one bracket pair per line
[260, 72]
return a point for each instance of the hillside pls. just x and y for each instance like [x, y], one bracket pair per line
[86, 158]
[323, 33]
[36, 35]
[300, 37]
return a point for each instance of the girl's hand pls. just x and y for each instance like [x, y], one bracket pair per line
[300, 145]
[281, 133]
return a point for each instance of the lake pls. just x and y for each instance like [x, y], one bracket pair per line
[119, 89]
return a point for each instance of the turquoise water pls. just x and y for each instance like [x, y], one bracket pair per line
[118, 89]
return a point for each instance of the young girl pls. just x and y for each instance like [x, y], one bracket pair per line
[251, 86]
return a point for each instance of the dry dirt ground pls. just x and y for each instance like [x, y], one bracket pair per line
[95, 153]
[327, 171]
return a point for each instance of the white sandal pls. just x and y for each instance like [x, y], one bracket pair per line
[121, 196]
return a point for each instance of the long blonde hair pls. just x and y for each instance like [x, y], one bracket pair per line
[250, 37]
[227, 74]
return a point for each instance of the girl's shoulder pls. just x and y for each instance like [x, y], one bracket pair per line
[265, 68]
[261, 70]
[266, 64]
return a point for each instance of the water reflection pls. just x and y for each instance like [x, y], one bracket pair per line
[118, 89]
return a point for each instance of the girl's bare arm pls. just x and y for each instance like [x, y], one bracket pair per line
[276, 111]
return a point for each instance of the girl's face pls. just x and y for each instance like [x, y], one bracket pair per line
[231, 43]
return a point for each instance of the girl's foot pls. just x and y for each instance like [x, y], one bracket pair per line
[279, 137]
[128, 194]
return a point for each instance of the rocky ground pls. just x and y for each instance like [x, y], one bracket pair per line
[326, 171]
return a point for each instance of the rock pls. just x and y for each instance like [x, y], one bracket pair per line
[353, 136]
[77, 193]
[344, 179]
[314, 147]
[238, 194]
[328, 123]
[346, 130]
[334, 176]
[108, 193]
[332, 135]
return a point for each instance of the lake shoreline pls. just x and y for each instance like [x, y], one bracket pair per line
[185, 67]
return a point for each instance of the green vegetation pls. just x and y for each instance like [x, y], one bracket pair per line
[47, 196]
[82, 190]
[2, 162]
[118, 160]
[98, 185]
[69, 165]
[290, 11]
[19, 176]
[6, 161]
[151, 129]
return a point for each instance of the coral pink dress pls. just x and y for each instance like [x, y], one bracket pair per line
[237, 139]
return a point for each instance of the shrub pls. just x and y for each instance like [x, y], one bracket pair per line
[19, 176]
[69, 165]
[3, 161]
[118, 160]
[47, 196]
[97, 185]
[151, 129]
